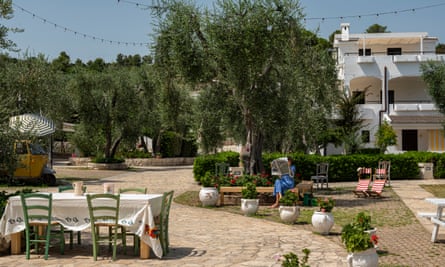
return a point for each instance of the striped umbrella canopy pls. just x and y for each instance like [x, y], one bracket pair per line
[33, 124]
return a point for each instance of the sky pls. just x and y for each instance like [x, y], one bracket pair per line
[91, 29]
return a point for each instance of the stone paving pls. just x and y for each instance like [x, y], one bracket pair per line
[204, 237]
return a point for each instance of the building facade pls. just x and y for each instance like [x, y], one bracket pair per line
[384, 70]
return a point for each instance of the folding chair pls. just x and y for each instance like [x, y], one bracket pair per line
[383, 171]
[377, 188]
[362, 187]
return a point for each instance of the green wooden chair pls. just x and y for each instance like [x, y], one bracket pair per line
[136, 239]
[137, 190]
[37, 216]
[70, 187]
[104, 212]
[163, 221]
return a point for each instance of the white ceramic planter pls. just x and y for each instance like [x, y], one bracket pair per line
[322, 222]
[367, 258]
[289, 214]
[208, 196]
[249, 206]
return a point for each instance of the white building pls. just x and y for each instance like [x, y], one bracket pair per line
[387, 67]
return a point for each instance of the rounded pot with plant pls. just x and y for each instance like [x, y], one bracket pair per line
[209, 194]
[289, 211]
[323, 220]
[249, 199]
[360, 244]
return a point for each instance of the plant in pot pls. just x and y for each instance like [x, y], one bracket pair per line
[360, 245]
[289, 211]
[323, 220]
[363, 220]
[209, 194]
[249, 199]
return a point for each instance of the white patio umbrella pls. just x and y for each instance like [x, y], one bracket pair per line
[33, 124]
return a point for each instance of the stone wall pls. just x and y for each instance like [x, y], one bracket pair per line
[81, 161]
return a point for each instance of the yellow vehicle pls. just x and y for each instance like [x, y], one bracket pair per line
[32, 163]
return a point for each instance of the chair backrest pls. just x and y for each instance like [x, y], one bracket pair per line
[140, 190]
[39, 210]
[103, 208]
[322, 169]
[364, 173]
[68, 187]
[383, 170]
[222, 168]
[167, 198]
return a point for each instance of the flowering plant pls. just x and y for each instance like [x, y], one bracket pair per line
[209, 180]
[354, 234]
[326, 204]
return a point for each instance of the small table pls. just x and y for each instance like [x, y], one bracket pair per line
[437, 219]
[71, 211]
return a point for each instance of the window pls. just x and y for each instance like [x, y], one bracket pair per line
[365, 136]
[394, 51]
[367, 52]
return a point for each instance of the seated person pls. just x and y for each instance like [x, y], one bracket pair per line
[284, 183]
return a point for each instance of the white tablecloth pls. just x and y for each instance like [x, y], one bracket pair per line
[135, 212]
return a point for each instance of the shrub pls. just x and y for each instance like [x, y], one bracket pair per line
[249, 192]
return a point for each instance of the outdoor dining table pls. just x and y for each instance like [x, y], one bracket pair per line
[437, 219]
[136, 211]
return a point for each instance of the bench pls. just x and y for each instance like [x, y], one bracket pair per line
[427, 215]
[299, 189]
[238, 189]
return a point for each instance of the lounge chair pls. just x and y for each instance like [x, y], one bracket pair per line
[377, 188]
[362, 188]
[383, 171]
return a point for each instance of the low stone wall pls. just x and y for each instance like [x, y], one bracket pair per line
[160, 162]
[82, 161]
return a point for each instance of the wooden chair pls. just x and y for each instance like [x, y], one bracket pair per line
[377, 188]
[137, 190]
[104, 212]
[136, 239]
[70, 187]
[362, 187]
[321, 175]
[163, 221]
[383, 171]
[37, 216]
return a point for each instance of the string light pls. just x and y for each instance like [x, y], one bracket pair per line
[88, 36]
[95, 38]
[395, 12]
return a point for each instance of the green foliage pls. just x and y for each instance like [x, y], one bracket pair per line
[292, 260]
[136, 154]
[385, 136]
[433, 73]
[249, 192]
[258, 180]
[289, 199]
[209, 180]
[354, 237]
[107, 160]
[326, 204]
[203, 164]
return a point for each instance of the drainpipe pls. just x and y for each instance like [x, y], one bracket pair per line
[384, 95]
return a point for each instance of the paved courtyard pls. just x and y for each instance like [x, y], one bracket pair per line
[205, 237]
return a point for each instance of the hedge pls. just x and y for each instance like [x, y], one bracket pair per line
[341, 167]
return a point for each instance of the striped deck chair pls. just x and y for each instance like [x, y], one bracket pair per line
[377, 188]
[362, 188]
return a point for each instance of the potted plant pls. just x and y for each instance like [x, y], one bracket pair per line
[360, 245]
[289, 210]
[323, 220]
[208, 195]
[249, 199]
[363, 220]
[292, 260]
